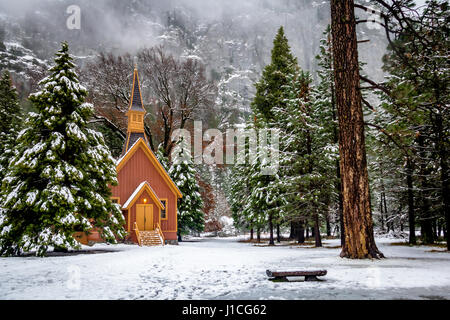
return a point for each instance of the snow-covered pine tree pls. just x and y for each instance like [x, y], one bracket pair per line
[59, 180]
[324, 107]
[237, 196]
[239, 190]
[417, 117]
[160, 155]
[262, 206]
[295, 124]
[248, 193]
[190, 214]
[10, 121]
[305, 181]
[269, 92]
[269, 95]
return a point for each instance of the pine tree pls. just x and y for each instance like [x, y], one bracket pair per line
[307, 169]
[10, 121]
[269, 92]
[162, 157]
[325, 106]
[240, 187]
[261, 203]
[269, 95]
[59, 181]
[414, 117]
[190, 214]
[238, 197]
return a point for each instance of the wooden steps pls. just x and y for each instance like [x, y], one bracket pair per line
[150, 238]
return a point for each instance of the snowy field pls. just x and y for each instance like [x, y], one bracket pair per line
[223, 268]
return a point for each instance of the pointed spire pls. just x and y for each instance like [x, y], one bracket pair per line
[136, 114]
[136, 97]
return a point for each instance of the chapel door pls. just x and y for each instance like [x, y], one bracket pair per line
[144, 217]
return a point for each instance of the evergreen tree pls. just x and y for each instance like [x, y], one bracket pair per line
[262, 204]
[162, 157]
[190, 214]
[269, 95]
[10, 121]
[269, 92]
[59, 179]
[325, 106]
[240, 188]
[260, 207]
[308, 154]
[414, 119]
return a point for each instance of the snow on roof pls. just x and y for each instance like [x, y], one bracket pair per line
[125, 154]
[136, 192]
[133, 195]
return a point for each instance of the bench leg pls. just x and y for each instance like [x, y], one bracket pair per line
[311, 278]
[279, 279]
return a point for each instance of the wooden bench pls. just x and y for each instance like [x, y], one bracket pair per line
[282, 275]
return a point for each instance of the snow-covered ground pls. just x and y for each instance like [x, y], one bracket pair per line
[222, 268]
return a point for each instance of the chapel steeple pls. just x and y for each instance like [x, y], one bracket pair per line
[135, 114]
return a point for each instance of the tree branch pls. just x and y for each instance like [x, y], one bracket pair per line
[382, 130]
[376, 85]
[110, 125]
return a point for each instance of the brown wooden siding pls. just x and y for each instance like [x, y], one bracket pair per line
[170, 235]
[138, 169]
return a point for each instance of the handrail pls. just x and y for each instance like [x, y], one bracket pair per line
[158, 227]
[138, 235]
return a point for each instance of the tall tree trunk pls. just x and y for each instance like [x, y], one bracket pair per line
[427, 227]
[301, 233]
[435, 228]
[445, 183]
[341, 205]
[258, 235]
[317, 237]
[251, 234]
[444, 231]
[328, 225]
[294, 230]
[358, 224]
[426, 220]
[338, 168]
[278, 233]
[446, 200]
[385, 209]
[411, 215]
[271, 242]
[439, 229]
[382, 212]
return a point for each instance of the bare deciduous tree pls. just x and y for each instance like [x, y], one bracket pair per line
[179, 89]
[174, 92]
